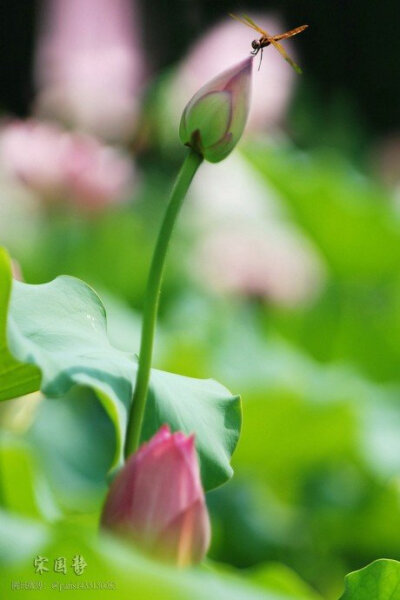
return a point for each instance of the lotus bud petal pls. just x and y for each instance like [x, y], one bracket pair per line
[214, 119]
[157, 500]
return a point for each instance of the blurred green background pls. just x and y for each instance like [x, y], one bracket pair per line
[283, 278]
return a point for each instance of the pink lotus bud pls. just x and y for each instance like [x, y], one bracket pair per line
[214, 119]
[157, 500]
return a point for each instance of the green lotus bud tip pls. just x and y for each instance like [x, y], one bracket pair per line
[214, 119]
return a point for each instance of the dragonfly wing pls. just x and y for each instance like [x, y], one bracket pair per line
[285, 55]
[245, 22]
[251, 23]
[289, 34]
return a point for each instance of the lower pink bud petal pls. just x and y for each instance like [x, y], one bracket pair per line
[186, 539]
[158, 502]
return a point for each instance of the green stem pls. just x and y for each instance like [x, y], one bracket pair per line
[182, 183]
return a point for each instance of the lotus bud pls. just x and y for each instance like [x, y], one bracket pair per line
[214, 119]
[157, 500]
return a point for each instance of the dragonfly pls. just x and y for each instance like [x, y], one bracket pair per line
[266, 39]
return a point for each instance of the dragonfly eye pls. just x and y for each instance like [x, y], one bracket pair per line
[255, 44]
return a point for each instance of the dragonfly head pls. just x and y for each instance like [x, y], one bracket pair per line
[255, 44]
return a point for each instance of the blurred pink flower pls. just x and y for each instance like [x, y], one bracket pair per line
[262, 262]
[243, 197]
[225, 43]
[157, 500]
[96, 175]
[33, 153]
[90, 65]
[62, 165]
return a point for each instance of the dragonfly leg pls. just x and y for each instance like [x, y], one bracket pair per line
[261, 57]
